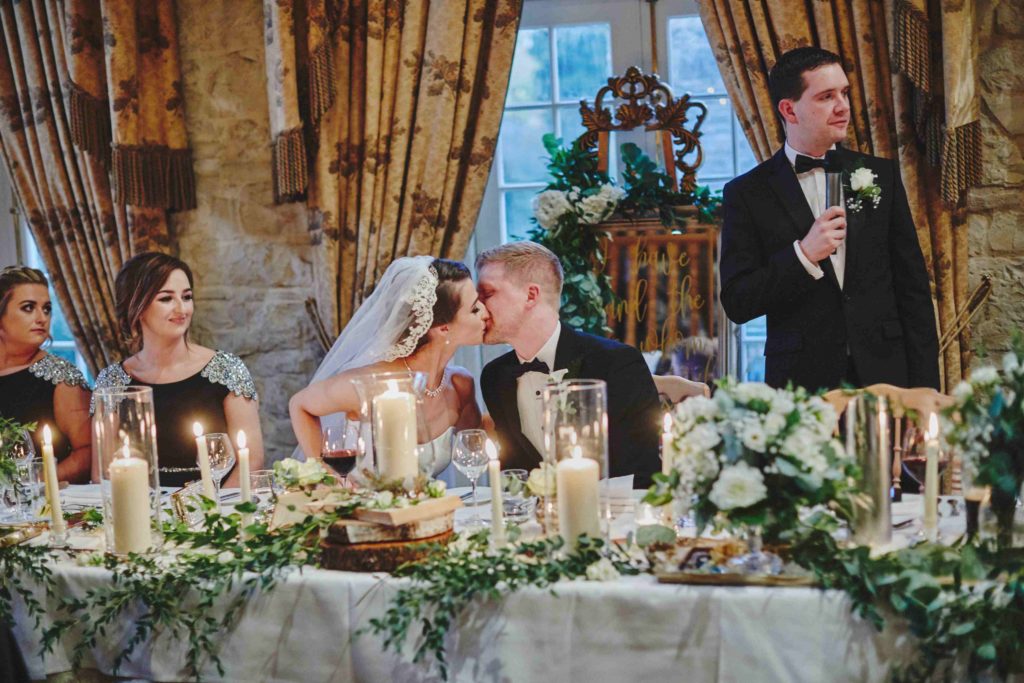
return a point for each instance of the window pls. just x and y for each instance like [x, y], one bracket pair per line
[565, 52]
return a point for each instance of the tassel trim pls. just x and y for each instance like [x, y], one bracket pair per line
[90, 122]
[961, 160]
[322, 88]
[290, 166]
[154, 176]
[911, 46]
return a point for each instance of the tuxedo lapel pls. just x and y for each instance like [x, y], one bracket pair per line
[509, 392]
[854, 220]
[566, 351]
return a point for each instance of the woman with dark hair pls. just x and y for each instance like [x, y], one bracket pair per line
[422, 310]
[37, 386]
[190, 383]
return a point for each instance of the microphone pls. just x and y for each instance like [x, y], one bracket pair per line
[833, 180]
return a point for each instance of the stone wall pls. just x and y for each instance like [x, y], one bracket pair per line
[995, 210]
[251, 258]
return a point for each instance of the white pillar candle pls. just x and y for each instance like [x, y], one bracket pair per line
[204, 462]
[497, 508]
[578, 509]
[931, 479]
[57, 524]
[394, 414]
[129, 502]
[243, 468]
[668, 451]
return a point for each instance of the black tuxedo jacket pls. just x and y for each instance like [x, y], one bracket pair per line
[634, 413]
[883, 314]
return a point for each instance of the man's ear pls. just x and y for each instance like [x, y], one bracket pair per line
[532, 295]
[787, 111]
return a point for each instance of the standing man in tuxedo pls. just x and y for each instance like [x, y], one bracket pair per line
[521, 285]
[845, 288]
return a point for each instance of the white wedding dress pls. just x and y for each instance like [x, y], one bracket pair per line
[442, 457]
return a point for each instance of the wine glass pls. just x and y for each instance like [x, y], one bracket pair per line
[470, 457]
[222, 458]
[340, 448]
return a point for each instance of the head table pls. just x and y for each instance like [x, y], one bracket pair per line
[632, 628]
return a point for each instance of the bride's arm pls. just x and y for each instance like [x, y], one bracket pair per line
[465, 389]
[333, 395]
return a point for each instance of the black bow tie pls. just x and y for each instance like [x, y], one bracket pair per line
[533, 366]
[804, 163]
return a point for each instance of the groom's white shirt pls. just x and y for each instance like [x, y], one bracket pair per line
[529, 392]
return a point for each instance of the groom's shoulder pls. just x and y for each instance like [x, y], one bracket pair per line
[754, 176]
[501, 361]
[603, 345]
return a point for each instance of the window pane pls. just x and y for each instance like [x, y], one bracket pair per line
[716, 139]
[584, 60]
[570, 123]
[745, 159]
[523, 159]
[518, 212]
[59, 328]
[531, 68]
[692, 66]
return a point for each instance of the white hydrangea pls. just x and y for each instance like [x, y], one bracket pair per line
[774, 423]
[549, 206]
[755, 391]
[987, 374]
[963, 391]
[738, 486]
[602, 570]
[597, 207]
[1011, 364]
[753, 435]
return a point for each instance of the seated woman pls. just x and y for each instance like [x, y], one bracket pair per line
[422, 310]
[191, 383]
[36, 386]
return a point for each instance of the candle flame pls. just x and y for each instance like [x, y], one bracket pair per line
[197, 429]
[933, 426]
[47, 435]
[241, 439]
[668, 422]
[577, 452]
[491, 450]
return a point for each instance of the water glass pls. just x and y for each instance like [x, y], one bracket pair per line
[33, 488]
[261, 483]
[222, 458]
[517, 503]
[469, 455]
[22, 452]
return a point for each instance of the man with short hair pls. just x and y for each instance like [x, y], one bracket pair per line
[845, 288]
[521, 285]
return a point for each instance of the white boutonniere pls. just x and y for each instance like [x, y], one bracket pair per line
[556, 376]
[863, 188]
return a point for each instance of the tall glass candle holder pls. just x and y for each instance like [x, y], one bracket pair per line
[124, 445]
[867, 442]
[576, 444]
[399, 442]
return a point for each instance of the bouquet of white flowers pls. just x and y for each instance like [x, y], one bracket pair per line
[752, 457]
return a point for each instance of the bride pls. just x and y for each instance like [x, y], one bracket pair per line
[422, 310]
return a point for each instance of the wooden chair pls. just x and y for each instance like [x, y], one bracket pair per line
[676, 388]
[910, 410]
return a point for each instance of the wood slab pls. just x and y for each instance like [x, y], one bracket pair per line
[427, 509]
[352, 531]
[377, 557]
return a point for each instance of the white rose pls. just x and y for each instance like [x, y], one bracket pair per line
[738, 486]
[596, 208]
[773, 424]
[984, 375]
[549, 206]
[542, 480]
[1011, 363]
[754, 437]
[862, 178]
[602, 570]
[383, 499]
[436, 488]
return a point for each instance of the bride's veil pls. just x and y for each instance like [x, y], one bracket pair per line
[388, 324]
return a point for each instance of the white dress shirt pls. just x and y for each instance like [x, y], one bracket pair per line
[813, 184]
[529, 392]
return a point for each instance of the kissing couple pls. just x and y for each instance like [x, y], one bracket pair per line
[424, 309]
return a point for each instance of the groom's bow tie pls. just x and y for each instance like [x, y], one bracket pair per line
[533, 366]
[805, 163]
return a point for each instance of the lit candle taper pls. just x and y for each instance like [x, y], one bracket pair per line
[667, 448]
[57, 526]
[204, 462]
[497, 509]
[243, 468]
[931, 479]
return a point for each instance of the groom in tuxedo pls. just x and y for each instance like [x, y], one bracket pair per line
[521, 285]
[845, 288]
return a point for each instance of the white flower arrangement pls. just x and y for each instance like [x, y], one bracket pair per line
[291, 473]
[753, 456]
[863, 188]
[590, 206]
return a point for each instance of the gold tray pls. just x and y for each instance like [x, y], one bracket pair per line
[13, 534]
[710, 579]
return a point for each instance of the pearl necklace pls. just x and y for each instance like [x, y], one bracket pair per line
[432, 393]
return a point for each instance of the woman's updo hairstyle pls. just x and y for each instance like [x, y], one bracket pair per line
[12, 276]
[138, 282]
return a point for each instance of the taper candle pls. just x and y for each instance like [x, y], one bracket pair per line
[667, 448]
[243, 468]
[204, 462]
[931, 479]
[497, 508]
[57, 524]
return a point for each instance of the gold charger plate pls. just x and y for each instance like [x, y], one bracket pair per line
[710, 579]
[13, 534]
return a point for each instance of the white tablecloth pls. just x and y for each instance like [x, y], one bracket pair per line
[633, 629]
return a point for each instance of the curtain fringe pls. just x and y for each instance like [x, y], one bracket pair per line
[911, 46]
[961, 157]
[290, 167]
[154, 176]
[90, 122]
[322, 88]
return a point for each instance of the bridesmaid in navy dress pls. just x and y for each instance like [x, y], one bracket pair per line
[190, 383]
[37, 386]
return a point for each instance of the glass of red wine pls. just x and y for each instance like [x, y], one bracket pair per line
[339, 449]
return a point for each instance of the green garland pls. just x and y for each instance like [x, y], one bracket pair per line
[21, 567]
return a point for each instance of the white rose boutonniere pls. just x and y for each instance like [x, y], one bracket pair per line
[556, 376]
[863, 188]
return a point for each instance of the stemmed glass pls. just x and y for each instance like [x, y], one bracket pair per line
[222, 458]
[470, 457]
[340, 448]
[22, 453]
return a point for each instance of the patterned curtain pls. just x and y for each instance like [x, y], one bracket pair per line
[94, 167]
[399, 105]
[889, 118]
